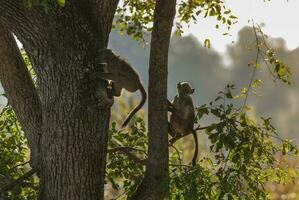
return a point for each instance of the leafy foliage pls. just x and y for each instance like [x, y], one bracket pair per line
[29, 66]
[242, 158]
[135, 17]
[190, 10]
[277, 68]
[14, 155]
[125, 164]
[241, 161]
[265, 56]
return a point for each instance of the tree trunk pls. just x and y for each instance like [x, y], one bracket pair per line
[73, 110]
[74, 139]
[155, 183]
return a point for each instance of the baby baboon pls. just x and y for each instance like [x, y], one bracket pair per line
[183, 115]
[122, 76]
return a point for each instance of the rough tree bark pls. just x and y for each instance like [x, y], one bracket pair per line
[65, 122]
[155, 183]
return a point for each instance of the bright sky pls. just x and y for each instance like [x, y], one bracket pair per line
[281, 18]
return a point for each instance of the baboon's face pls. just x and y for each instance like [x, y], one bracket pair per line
[107, 56]
[107, 53]
[184, 88]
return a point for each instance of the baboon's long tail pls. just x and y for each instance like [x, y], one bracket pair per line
[138, 107]
[196, 148]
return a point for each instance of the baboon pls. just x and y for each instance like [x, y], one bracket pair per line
[122, 75]
[182, 116]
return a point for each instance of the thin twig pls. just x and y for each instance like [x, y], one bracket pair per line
[254, 70]
[173, 140]
[128, 148]
[263, 36]
[269, 69]
[122, 194]
[127, 151]
[181, 165]
[16, 166]
[178, 153]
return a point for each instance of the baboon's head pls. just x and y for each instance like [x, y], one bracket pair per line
[184, 88]
[106, 54]
[113, 61]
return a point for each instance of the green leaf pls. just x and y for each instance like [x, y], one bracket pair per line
[61, 2]
[207, 43]
[282, 71]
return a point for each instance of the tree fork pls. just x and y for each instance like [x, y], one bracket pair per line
[20, 91]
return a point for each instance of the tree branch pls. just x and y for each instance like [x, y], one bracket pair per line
[17, 181]
[127, 151]
[16, 16]
[19, 88]
[16, 166]
[26, 24]
[173, 140]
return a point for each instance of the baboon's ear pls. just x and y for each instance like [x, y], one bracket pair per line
[192, 91]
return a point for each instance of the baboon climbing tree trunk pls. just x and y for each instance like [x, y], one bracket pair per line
[65, 123]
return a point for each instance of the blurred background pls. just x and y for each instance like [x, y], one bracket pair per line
[208, 73]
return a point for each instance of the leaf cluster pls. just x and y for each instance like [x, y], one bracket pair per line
[277, 68]
[123, 172]
[190, 10]
[134, 17]
[14, 154]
